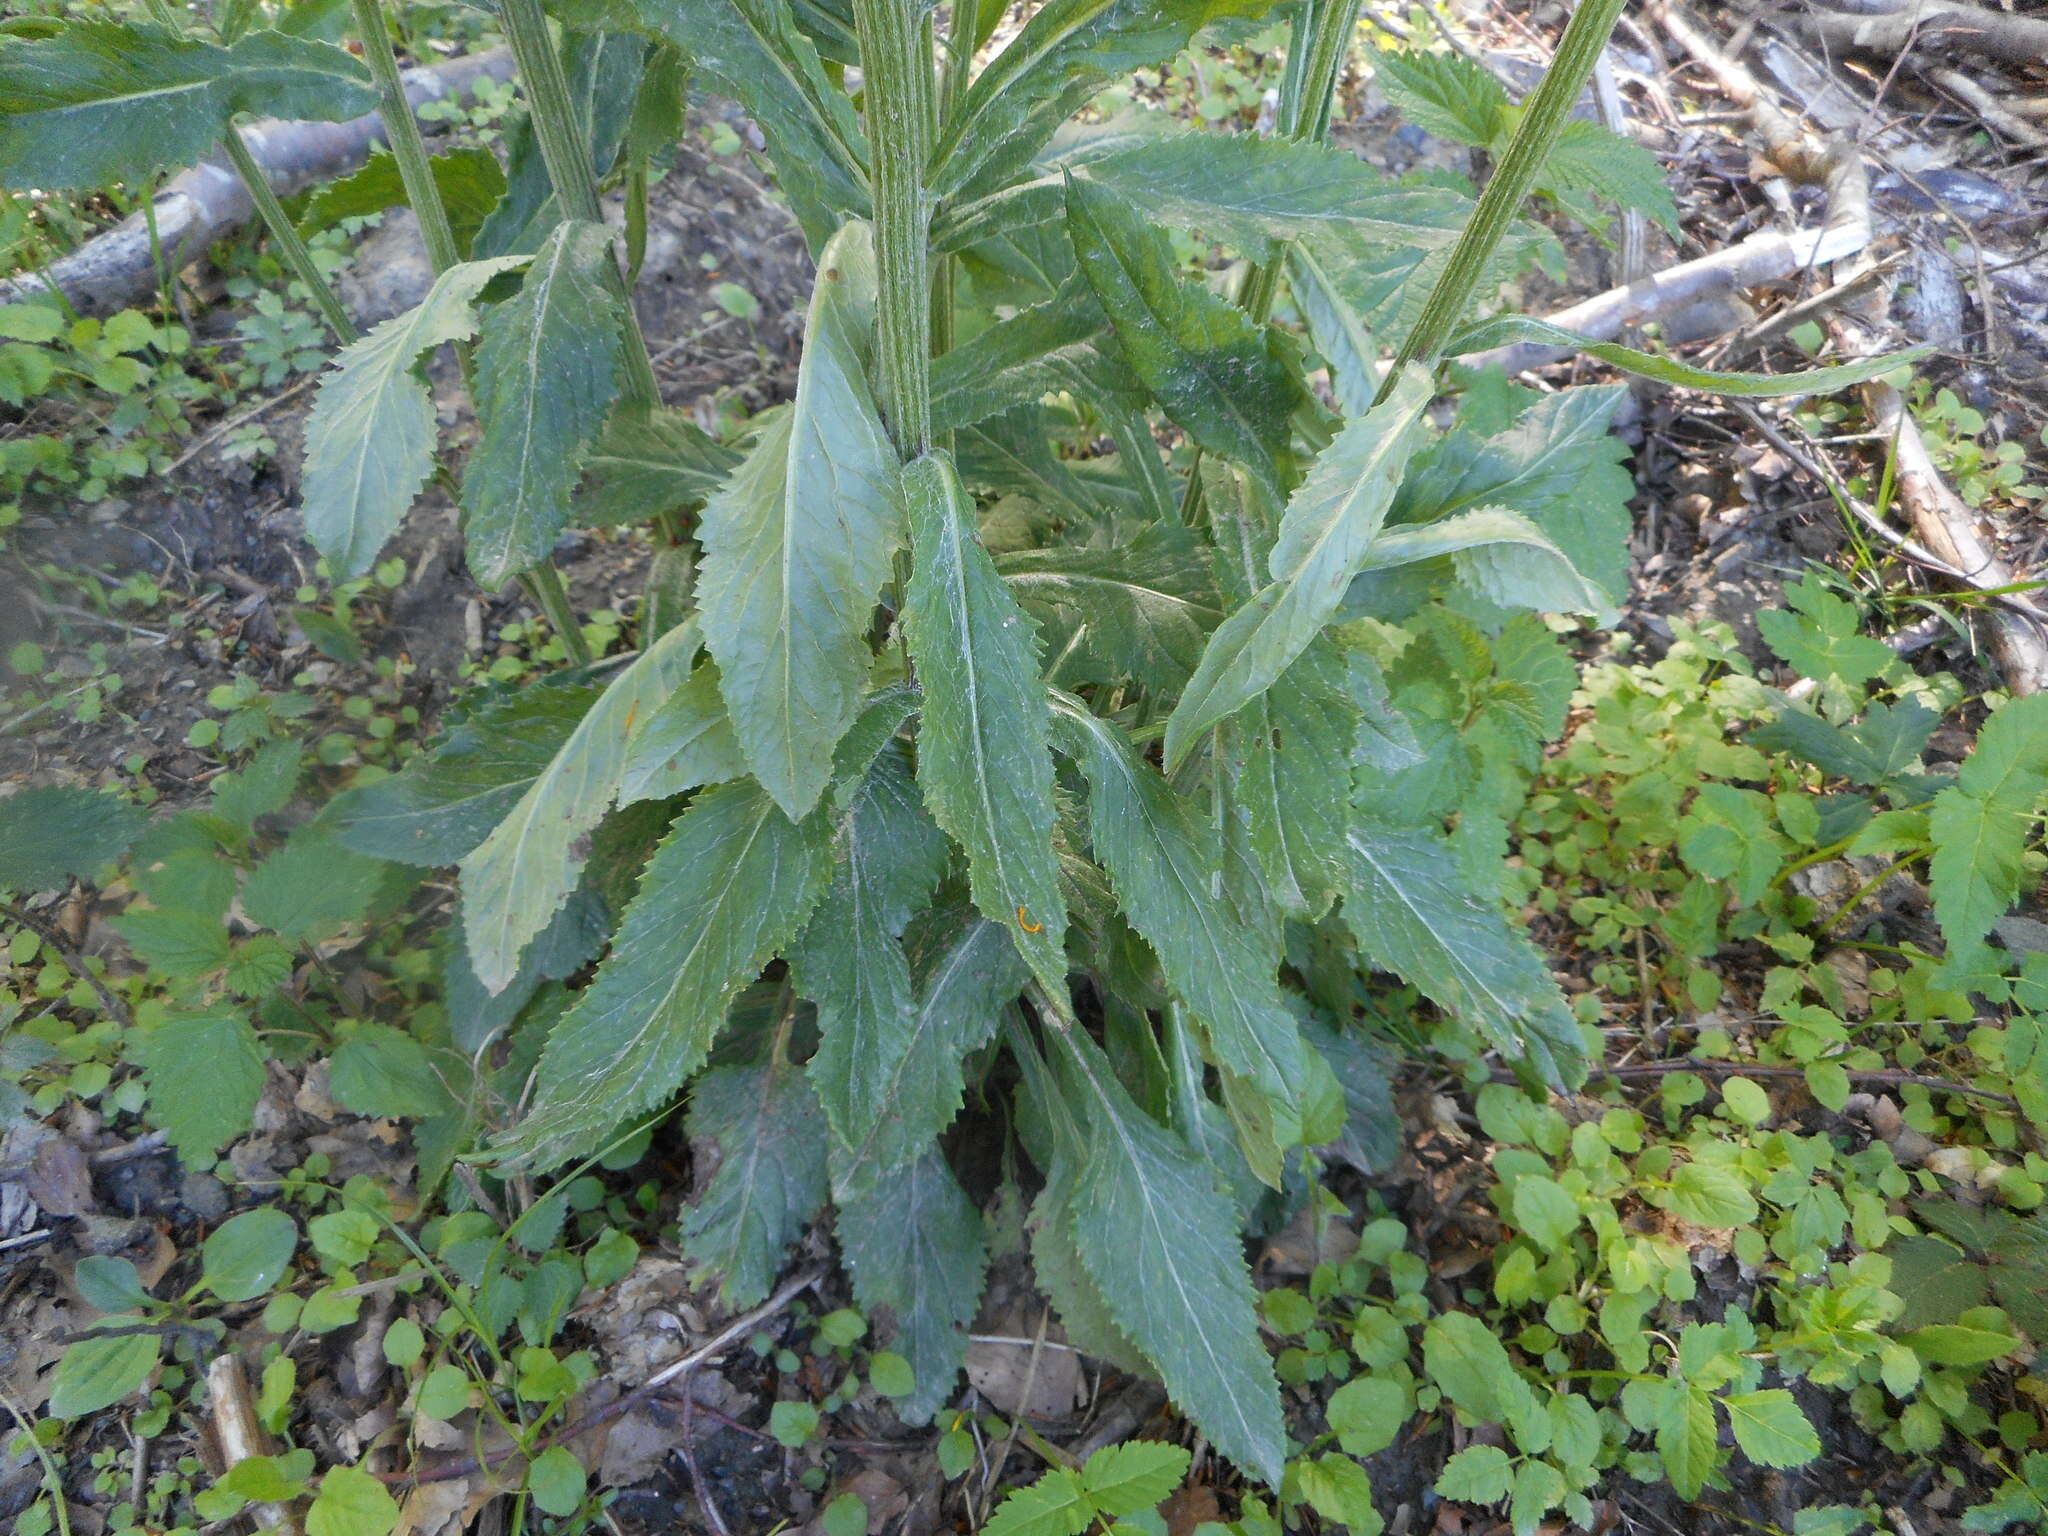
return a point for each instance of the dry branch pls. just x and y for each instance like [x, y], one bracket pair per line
[1937, 24]
[240, 1435]
[199, 206]
[1769, 257]
[1945, 526]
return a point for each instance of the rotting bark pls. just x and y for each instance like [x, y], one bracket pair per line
[199, 206]
[1936, 24]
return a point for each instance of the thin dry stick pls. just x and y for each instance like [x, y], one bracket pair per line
[1988, 107]
[716, 1345]
[241, 1435]
[73, 960]
[1946, 526]
[240, 418]
[712, 1514]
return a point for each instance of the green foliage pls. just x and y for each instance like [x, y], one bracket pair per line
[1451, 97]
[100, 101]
[47, 834]
[1074, 727]
[546, 371]
[1115, 1483]
[797, 544]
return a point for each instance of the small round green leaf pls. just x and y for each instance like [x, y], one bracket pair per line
[404, 1343]
[846, 1515]
[891, 1374]
[1745, 1101]
[556, 1481]
[792, 1424]
[351, 1503]
[247, 1254]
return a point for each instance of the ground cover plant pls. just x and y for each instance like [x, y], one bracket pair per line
[1070, 708]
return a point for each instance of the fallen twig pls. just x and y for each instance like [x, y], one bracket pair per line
[73, 960]
[241, 418]
[241, 1436]
[619, 1407]
[1946, 527]
[1771, 256]
[1989, 108]
[1935, 23]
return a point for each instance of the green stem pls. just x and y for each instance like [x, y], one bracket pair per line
[1866, 888]
[545, 583]
[896, 56]
[556, 130]
[636, 219]
[1543, 118]
[1818, 856]
[289, 245]
[402, 133]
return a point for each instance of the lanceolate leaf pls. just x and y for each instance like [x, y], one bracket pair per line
[729, 887]
[644, 465]
[1209, 366]
[1162, 1244]
[1506, 330]
[546, 371]
[1136, 611]
[1248, 190]
[916, 1245]
[983, 761]
[798, 543]
[763, 1121]
[1543, 455]
[1048, 348]
[446, 800]
[370, 440]
[685, 743]
[848, 961]
[1501, 554]
[1165, 858]
[1980, 825]
[1331, 522]
[965, 972]
[525, 869]
[1557, 463]
[101, 102]
[1067, 51]
[1409, 907]
[603, 71]
[1339, 332]
[1295, 746]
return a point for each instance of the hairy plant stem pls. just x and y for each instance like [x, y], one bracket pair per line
[402, 134]
[289, 245]
[896, 54]
[568, 162]
[1543, 117]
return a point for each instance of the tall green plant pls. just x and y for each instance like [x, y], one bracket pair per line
[973, 760]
